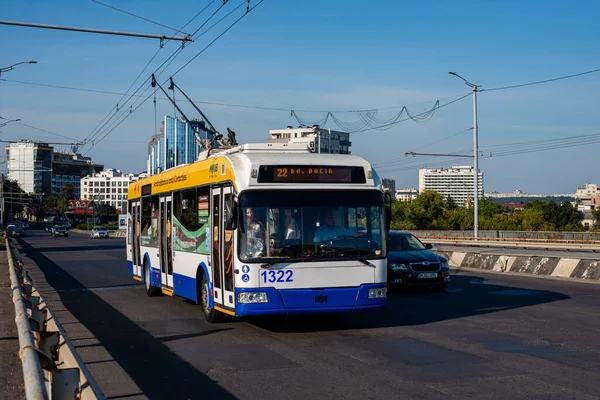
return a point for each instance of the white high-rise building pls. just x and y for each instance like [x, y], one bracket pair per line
[319, 140]
[456, 182]
[109, 187]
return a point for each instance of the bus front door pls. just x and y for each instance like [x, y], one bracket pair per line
[221, 253]
[166, 245]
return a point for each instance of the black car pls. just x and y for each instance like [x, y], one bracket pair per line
[411, 263]
[60, 231]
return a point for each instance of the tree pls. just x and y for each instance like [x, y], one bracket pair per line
[426, 210]
[450, 203]
[51, 201]
[489, 209]
[596, 214]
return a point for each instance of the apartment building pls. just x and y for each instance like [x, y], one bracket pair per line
[42, 171]
[109, 187]
[455, 182]
[319, 140]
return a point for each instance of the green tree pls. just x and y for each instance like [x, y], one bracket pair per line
[532, 219]
[450, 203]
[489, 209]
[426, 210]
[51, 201]
[596, 214]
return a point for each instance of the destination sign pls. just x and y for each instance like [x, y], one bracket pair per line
[310, 174]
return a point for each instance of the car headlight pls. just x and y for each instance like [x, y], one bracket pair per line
[252, 297]
[377, 293]
[444, 265]
[399, 267]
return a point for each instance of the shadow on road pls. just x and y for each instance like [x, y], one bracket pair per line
[158, 372]
[466, 296]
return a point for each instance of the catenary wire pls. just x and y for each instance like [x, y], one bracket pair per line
[110, 113]
[540, 82]
[112, 128]
[136, 16]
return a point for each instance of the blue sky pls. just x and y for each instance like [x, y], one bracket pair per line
[326, 55]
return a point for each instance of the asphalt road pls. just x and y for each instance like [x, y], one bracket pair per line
[488, 337]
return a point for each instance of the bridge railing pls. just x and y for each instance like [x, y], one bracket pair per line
[52, 369]
[513, 236]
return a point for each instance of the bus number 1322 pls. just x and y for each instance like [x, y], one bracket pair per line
[277, 276]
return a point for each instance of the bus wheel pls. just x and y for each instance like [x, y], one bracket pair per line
[150, 290]
[210, 314]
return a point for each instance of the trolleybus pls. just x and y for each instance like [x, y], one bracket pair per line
[262, 229]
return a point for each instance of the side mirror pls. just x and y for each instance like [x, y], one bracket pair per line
[429, 246]
[231, 211]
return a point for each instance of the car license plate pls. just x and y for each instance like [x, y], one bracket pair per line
[428, 275]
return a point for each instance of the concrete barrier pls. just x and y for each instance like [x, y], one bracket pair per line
[587, 269]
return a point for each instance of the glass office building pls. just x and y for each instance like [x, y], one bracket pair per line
[175, 145]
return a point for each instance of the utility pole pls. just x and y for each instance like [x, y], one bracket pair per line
[475, 157]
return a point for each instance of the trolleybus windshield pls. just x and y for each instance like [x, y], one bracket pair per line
[303, 225]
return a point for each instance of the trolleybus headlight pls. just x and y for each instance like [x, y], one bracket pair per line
[377, 293]
[252, 297]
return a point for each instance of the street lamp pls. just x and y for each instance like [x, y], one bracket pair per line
[7, 121]
[475, 155]
[11, 67]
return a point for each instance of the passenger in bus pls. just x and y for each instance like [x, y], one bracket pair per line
[256, 235]
[292, 231]
[329, 229]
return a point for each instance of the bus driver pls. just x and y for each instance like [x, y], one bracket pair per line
[330, 230]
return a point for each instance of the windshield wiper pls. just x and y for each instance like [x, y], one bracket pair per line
[272, 262]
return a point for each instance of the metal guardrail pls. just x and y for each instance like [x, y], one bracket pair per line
[514, 236]
[52, 369]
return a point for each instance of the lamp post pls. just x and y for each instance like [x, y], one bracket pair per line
[11, 67]
[7, 121]
[475, 156]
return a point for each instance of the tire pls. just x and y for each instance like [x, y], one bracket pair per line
[150, 290]
[439, 288]
[210, 314]
[66, 235]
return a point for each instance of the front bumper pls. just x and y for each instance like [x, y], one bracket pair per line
[309, 301]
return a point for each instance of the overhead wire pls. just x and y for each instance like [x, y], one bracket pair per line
[136, 16]
[104, 121]
[110, 130]
[509, 149]
[158, 71]
[540, 82]
[45, 131]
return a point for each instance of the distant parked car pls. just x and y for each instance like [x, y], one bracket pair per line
[14, 230]
[60, 231]
[99, 232]
[411, 263]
